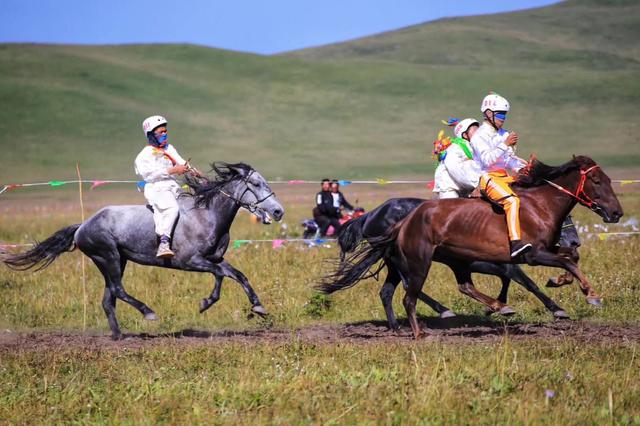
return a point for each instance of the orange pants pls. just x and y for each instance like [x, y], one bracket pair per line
[496, 186]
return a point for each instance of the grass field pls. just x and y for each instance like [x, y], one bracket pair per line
[454, 376]
[368, 108]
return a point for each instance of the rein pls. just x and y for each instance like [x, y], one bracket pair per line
[580, 196]
[252, 207]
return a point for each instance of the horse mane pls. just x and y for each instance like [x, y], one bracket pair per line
[204, 189]
[536, 172]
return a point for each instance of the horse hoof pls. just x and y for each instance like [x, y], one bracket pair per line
[552, 283]
[394, 327]
[561, 315]
[204, 305]
[117, 337]
[595, 301]
[447, 314]
[258, 309]
[151, 316]
[506, 311]
[488, 311]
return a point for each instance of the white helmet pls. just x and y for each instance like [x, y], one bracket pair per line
[494, 102]
[152, 122]
[463, 126]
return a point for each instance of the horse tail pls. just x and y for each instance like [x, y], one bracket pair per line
[44, 253]
[358, 266]
[351, 234]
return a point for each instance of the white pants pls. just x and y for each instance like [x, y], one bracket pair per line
[162, 196]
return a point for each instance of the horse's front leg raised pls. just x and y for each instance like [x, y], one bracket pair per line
[546, 258]
[225, 269]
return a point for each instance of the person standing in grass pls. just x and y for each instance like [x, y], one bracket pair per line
[158, 164]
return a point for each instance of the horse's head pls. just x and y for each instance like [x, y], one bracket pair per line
[592, 186]
[240, 183]
[595, 191]
[257, 196]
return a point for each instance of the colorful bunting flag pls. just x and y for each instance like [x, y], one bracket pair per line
[97, 183]
[382, 181]
[240, 243]
[344, 182]
[56, 183]
[277, 243]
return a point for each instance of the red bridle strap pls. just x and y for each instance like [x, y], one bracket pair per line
[580, 195]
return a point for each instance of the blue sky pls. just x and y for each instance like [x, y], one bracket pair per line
[259, 26]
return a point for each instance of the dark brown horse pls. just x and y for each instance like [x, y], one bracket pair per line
[459, 231]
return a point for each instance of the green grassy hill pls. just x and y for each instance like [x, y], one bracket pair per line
[596, 34]
[367, 108]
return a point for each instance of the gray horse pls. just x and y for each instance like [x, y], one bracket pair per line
[116, 234]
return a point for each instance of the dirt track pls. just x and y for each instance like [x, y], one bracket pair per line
[461, 329]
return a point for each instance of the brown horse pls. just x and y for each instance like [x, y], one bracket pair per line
[459, 231]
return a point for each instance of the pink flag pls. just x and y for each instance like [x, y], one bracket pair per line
[97, 183]
[277, 243]
[295, 182]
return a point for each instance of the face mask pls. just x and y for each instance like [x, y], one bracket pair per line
[162, 138]
[501, 117]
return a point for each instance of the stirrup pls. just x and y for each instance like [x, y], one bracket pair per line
[521, 250]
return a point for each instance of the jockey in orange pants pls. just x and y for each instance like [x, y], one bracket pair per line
[494, 152]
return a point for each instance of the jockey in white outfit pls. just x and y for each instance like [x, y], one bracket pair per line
[158, 164]
[457, 174]
[494, 152]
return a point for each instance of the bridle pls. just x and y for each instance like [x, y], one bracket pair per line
[580, 196]
[252, 207]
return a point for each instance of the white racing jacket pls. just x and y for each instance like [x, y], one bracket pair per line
[491, 153]
[152, 164]
[456, 172]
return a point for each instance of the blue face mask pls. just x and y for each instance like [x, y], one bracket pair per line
[501, 117]
[162, 138]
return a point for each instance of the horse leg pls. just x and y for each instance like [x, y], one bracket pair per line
[112, 268]
[516, 273]
[414, 278]
[109, 297]
[546, 258]
[414, 286]
[215, 295]
[386, 296]
[121, 294]
[225, 269]
[466, 287]
[565, 278]
[109, 307]
[497, 270]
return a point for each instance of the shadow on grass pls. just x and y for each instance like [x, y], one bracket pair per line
[468, 326]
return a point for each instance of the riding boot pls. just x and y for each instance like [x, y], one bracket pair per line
[517, 248]
[164, 249]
